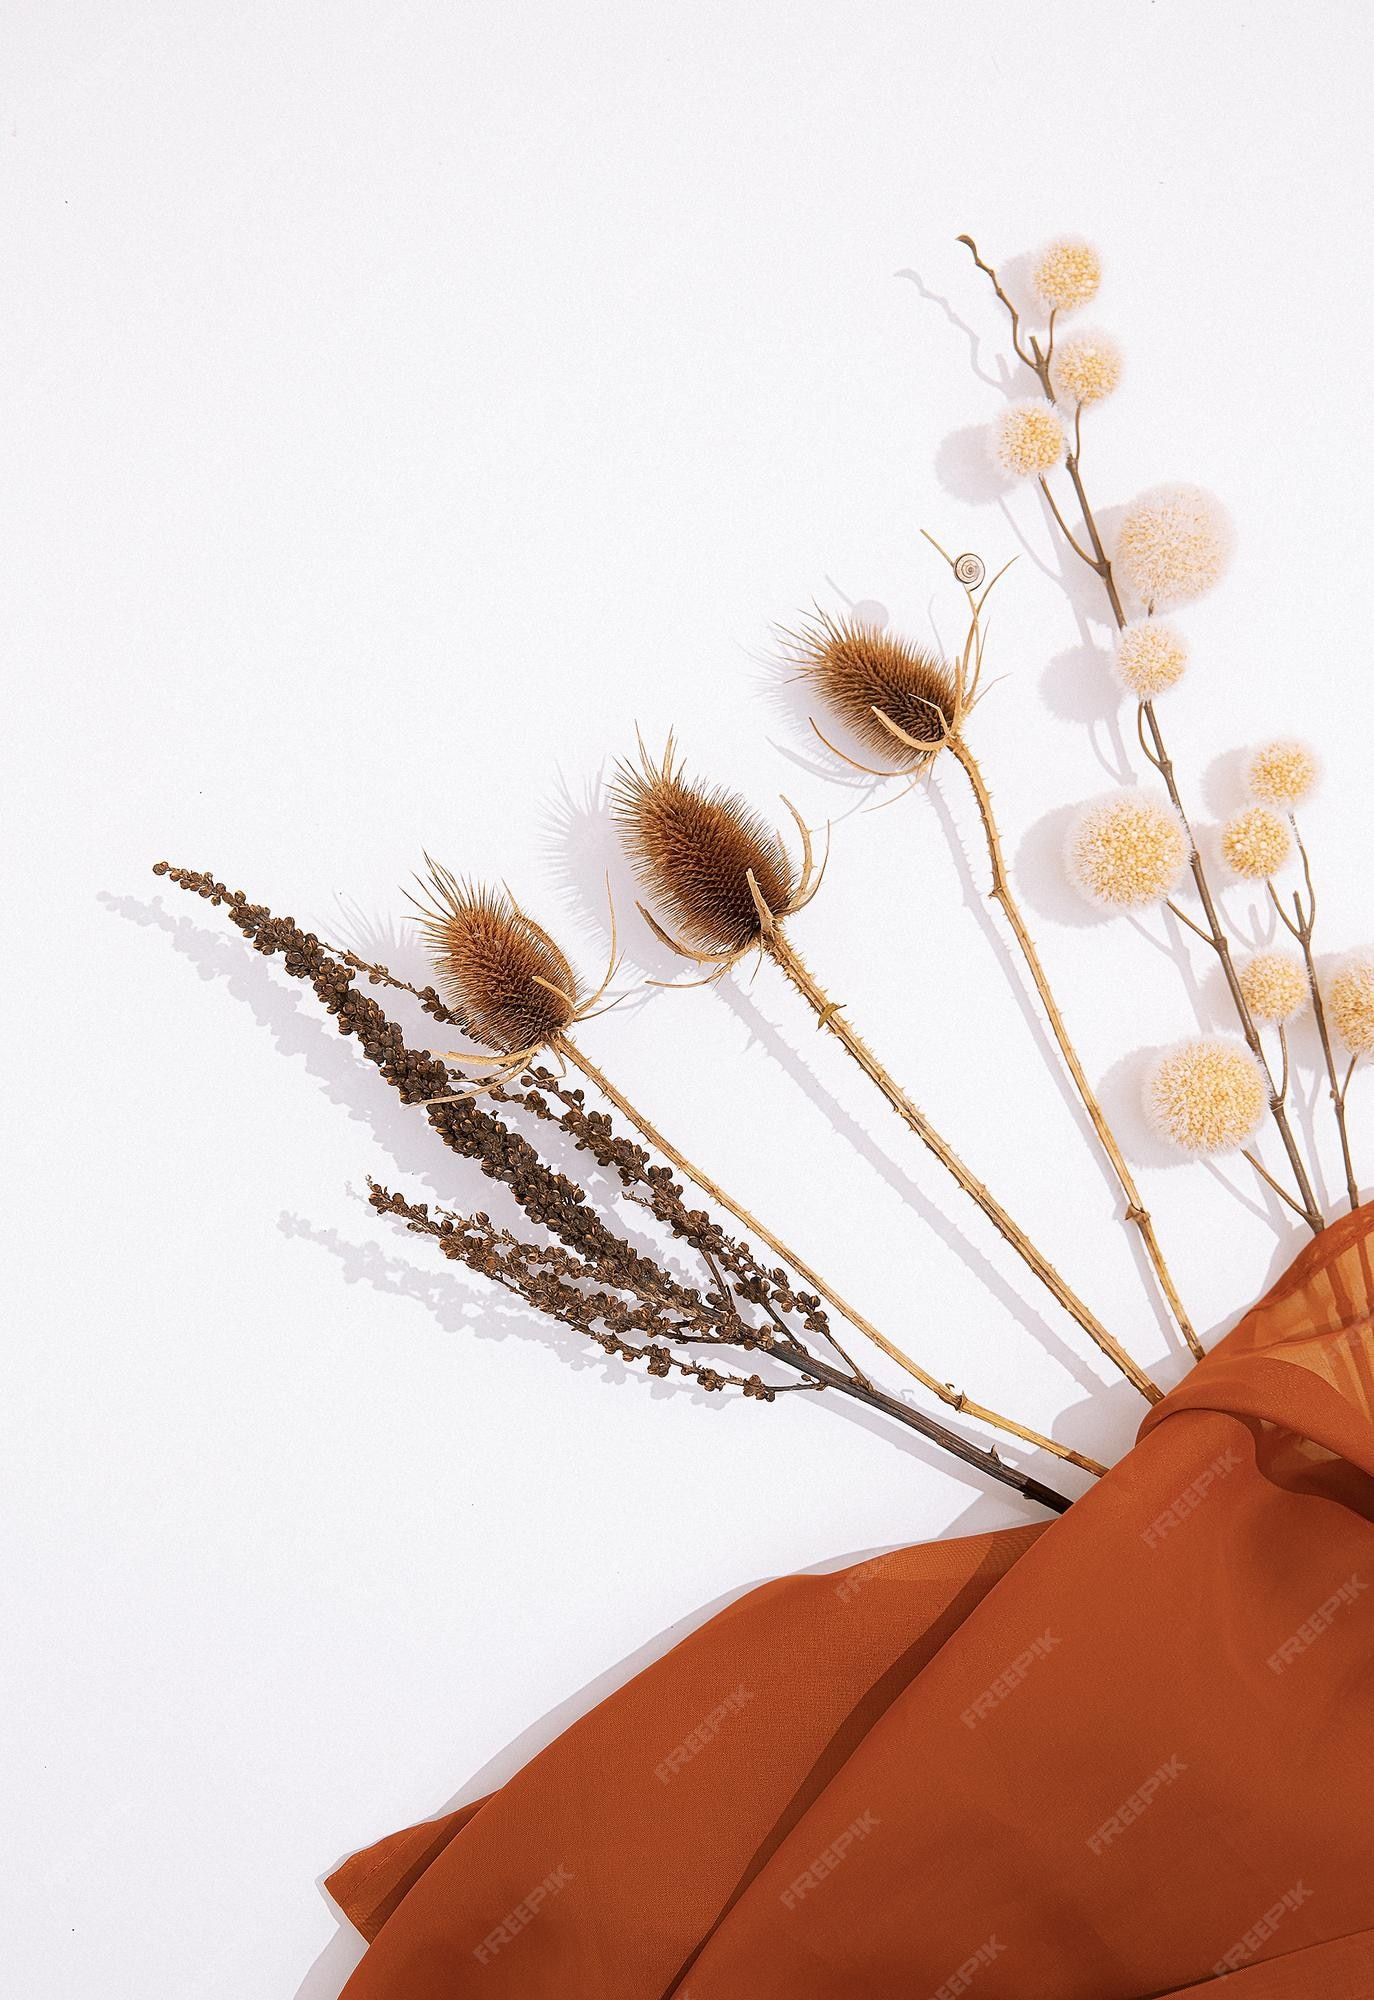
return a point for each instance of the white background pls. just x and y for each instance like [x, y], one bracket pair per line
[402, 402]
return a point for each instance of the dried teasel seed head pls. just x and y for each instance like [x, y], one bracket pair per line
[1028, 438]
[1127, 849]
[1086, 367]
[694, 848]
[1067, 273]
[858, 668]
[1256, 843]
[1350, 1003]
[1150, 658]
[1173, 545]
[1206, 1095]
[1274, 986]
[1283, 773]
[490, 960]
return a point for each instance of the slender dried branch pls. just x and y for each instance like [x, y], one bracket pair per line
[1099, 562]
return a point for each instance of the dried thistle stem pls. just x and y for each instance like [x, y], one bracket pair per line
[1037, 359]
[830, 1016]
[954, 1398]
[1136, 1211]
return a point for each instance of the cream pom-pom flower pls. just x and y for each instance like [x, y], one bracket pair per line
[1350, 1003]
[1086, 367]
[1028, 438]
[1173, 544]
[1256, 843]
[1127, 849]
[1150, 658]
[1067, 273]
[1206, 1095]
[1274, 986]
[1283, 773]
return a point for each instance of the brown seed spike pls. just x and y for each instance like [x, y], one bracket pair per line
[503, 972]
[859, 668]
[695, 849]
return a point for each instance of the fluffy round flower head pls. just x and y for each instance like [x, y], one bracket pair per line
[1350, 1003]
[1067, 273]
[1150, 657]
[1283, 773]
[1086, 367]
[1256, 843]
[1127, 849]
[1206, 1096]
[1274, 985]
[1028, 438]
[1173, 545]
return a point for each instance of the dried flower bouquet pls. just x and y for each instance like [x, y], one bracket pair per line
[721, 885]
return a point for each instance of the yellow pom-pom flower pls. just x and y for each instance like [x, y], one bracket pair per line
[1028, 438]
[1173, 545]
[1150, 658]
[1086, 367]
[1206, 1095]
[1256, 843]
[1283, 773]
[1350, 1004]
[1274, 985]
[1067, 273]
[1127, 849]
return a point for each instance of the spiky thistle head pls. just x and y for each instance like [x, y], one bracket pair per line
[866, 674]
[496, 967]
[695, 848]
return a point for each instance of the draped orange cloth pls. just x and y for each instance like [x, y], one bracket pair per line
[1117, 1755]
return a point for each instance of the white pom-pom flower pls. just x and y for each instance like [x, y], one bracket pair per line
[1086, 367]
[1067, 273]
[1350, 1003]
[1127, 849]
[1206, 1095]
[1274, 986]
[1028, 438]
[1283, 773]
[1173, 545]
[1256, 843]
[1150, 658]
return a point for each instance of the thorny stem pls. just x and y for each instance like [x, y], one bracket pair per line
[829, 1015]
[1100, 563]
[1136, 1210]
[954, 1398]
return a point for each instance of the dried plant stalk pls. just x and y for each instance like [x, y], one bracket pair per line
[902, 701]
[954, 1398]
[515, 988]
[1302, 925]
[1212, 931]
[588, 1275]
[696, 849]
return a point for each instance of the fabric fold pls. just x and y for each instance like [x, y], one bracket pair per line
[1117, 1756]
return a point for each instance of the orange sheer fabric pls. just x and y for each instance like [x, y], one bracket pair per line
[1111, 1757]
